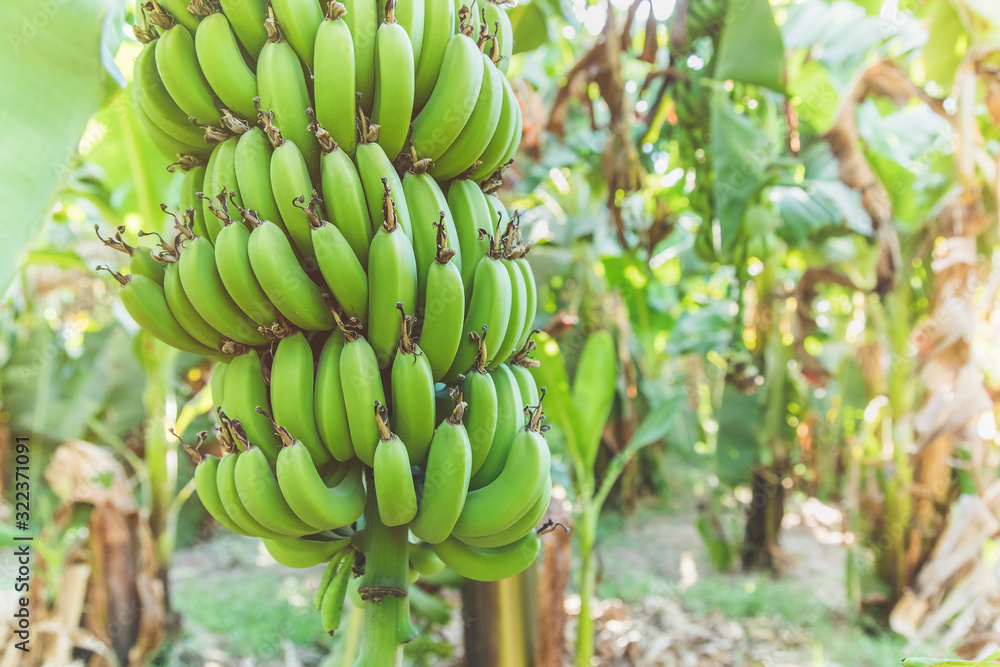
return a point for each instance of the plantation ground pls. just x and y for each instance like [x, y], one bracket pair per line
[666, 606]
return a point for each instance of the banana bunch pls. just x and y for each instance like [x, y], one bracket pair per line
[340, 251]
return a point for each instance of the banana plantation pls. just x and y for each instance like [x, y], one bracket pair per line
[496, 334]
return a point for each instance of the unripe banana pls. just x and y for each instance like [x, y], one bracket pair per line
[394, 490]
[290, 180]
[410, 15]
[309, 496]
[141, 261]
[283, 91]
[467, 15]
[498, 23]
[518, 312]
[217, 382]
[206, 486]
[154, 99]
[412, 387]
[332, 604]
[260, 495]
[232, 257]
[510, 419]
[340, 267]
[292, 394]
[439, 19]
[392, 279]
[492, 508]
[499, 216]
[444, 310]
[490, 307]
[245, 391]
[376, 171]
[330, 407]
[428, 208]
[335, 82]
[193, 182]
[177, 63]
[230, 497]
[515, 140]
[478, 131]
[423, 559]
[185, 313]
[507, 127]
[481, 414]
[446, 480]
[471, 213]
[531, 307]
[247, 18]
[253, 175]
[494, 564]
[283, 280]
[524, 525]
[167, 144]
[525, 381]
[220, 175]
[178, 10]
[345, 196]
[301, 554]
[393, 102]
[446, 112]
[223, 65]
[299, 21]
[204, 287]
[362, 19]
[360, 372]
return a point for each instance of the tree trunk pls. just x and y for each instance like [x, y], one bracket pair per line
[767, 509]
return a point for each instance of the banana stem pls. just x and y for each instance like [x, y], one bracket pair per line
[588, 582]
[387, 612]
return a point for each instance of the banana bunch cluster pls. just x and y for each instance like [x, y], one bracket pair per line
[341, 254]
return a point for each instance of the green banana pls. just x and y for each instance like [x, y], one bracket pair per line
[223, 65]
[423, 559]
[230, 497]
[284, 93]
[204, 287]
[518, 312]
[206, 486]
[376, 171]
[344, 195]
[332, 604]
[299, 20]
[301, 554]
[498, 215]
[154, 99]
[209, 222]
[499, 504]
[478, 131]
[141, 260]
[471, 212]
[247, 18]
[193, 182]
[220, 175]
[362, 19]
[410, 15]
[412, 387]
[489, 306]
[283, 279]
[185, 312]
[481, 564]
[392, 279]
[330, 407]
[394, 490]
[508, 125]
[510, 418]
[259, 492]
[481, 415]
[178, 10]
[232, 258]
[428, 207]
[527, 523]
[531, 290]
[253, 175]
[245, 391]
[515, 140]
[177, 63]
[340, 267]
[290, 180]
[167, 144]
[446, 480]
[525, 381]
[217, 382]
[309, 496]
[324, 582]
[452, 101]
[439, 19]
[444, 309]
[392, 104]
[335, 82]
[292, 394]
[469, 20]
[498, 23]
[359, 371]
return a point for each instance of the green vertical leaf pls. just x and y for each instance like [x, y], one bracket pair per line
[55, 72]
[531, 30]
[594, 392]
[750, 48]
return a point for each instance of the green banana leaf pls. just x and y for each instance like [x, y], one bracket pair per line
[750, 48]
[594, 393]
